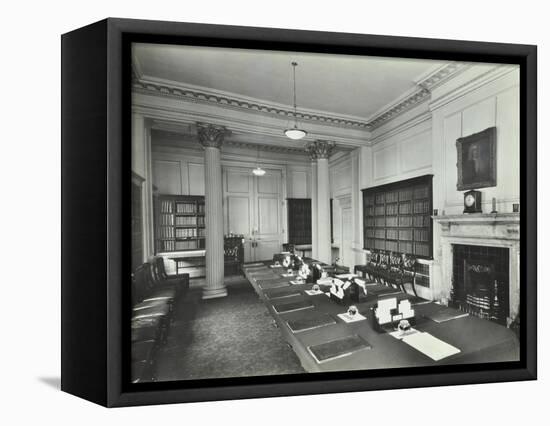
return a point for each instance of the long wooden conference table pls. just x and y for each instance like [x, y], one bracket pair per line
[310, 324]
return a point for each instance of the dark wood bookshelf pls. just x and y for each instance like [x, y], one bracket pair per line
[179, 223]
[397, 217]
[299, 220]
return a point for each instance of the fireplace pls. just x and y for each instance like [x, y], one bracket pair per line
[481, 282]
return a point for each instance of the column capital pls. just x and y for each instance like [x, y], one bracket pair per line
[319, 149]
[211, 135]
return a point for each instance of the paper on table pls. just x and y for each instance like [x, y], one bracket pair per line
[351, 318]
[345, 276]
[431, 346]
[402, 334]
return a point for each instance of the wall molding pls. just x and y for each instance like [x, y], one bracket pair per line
[196, 94]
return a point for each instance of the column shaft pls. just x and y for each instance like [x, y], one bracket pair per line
[215, 286]
[324, 250]
[314, 229]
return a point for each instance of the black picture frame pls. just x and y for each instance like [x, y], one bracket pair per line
[479, 172]
[96, 230]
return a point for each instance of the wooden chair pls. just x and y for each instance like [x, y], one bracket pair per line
[233, 250]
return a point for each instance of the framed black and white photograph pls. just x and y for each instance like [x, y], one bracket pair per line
[285, 211]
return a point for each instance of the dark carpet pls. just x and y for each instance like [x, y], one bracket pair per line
[232, 336]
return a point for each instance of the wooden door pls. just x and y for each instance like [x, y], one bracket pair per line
[252, 207]
[268, 227]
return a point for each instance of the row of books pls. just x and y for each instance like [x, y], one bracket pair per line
[398, 221]
[165, 232]
[401, 209]
[186, 207]
[190, 232]
[421, 206]
[187, 220]
[172, 245]
[399, 234]
[166, 206]
[166, 219]
[417, 193]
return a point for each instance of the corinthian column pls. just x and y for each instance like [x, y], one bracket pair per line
[320, 150]
[211, 138]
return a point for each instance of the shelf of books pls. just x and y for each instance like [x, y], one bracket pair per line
[397, 217]
[180, 223]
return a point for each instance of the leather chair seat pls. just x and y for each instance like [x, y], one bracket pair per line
[167, 293]
[150, 304]
[154, 311]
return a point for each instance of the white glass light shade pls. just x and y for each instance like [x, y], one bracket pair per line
[295, 133]
[258, 171]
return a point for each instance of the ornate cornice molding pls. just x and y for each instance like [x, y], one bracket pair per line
[192, 95]
[406, 104]
[211, 135]
[422, 93]
[320, 149]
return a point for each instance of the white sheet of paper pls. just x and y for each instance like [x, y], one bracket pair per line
[349, 318]
[346, 285]
[345, 276]
[404, 306]
[431, 346]
[313, 292]
[386, 305]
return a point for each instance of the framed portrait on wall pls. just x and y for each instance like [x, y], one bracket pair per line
[476, 160]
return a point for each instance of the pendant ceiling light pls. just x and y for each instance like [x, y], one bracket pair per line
[295, 133]
[258, 171]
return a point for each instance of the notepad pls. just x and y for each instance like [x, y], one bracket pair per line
[338, 348]
[430, 346]
[292, 306]
[311, 323]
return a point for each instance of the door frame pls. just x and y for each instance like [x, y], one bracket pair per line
[249, 166]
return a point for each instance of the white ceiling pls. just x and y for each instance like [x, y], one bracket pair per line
[338, 84]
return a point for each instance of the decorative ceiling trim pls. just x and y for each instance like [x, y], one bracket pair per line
[421, 93]
[191, 95]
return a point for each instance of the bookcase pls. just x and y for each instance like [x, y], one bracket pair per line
[299, 220]
[137, 233]
[179, 223]
[397, 217]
